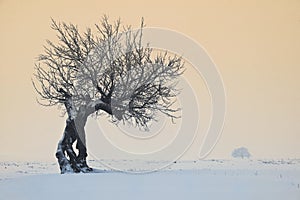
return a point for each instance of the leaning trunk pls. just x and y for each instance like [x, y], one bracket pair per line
[68, 160]
[80, 123]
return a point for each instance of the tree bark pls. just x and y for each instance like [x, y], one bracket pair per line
[68, 160]
[80, 123]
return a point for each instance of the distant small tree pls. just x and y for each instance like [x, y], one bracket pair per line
[109, 71]
[241, 152]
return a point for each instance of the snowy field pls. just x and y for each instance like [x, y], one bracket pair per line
[203, 179]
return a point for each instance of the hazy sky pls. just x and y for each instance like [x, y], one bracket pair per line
[255, 44]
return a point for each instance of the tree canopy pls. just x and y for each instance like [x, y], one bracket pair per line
[109, 71]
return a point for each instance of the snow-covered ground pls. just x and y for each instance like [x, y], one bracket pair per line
[203, 179]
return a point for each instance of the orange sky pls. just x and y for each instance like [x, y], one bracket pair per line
[255, 45]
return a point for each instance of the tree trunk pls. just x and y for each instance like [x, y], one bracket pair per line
[80, 122]
[68, 160]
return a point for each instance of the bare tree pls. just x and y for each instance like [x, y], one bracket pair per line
[108, 71]
[241, 152]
